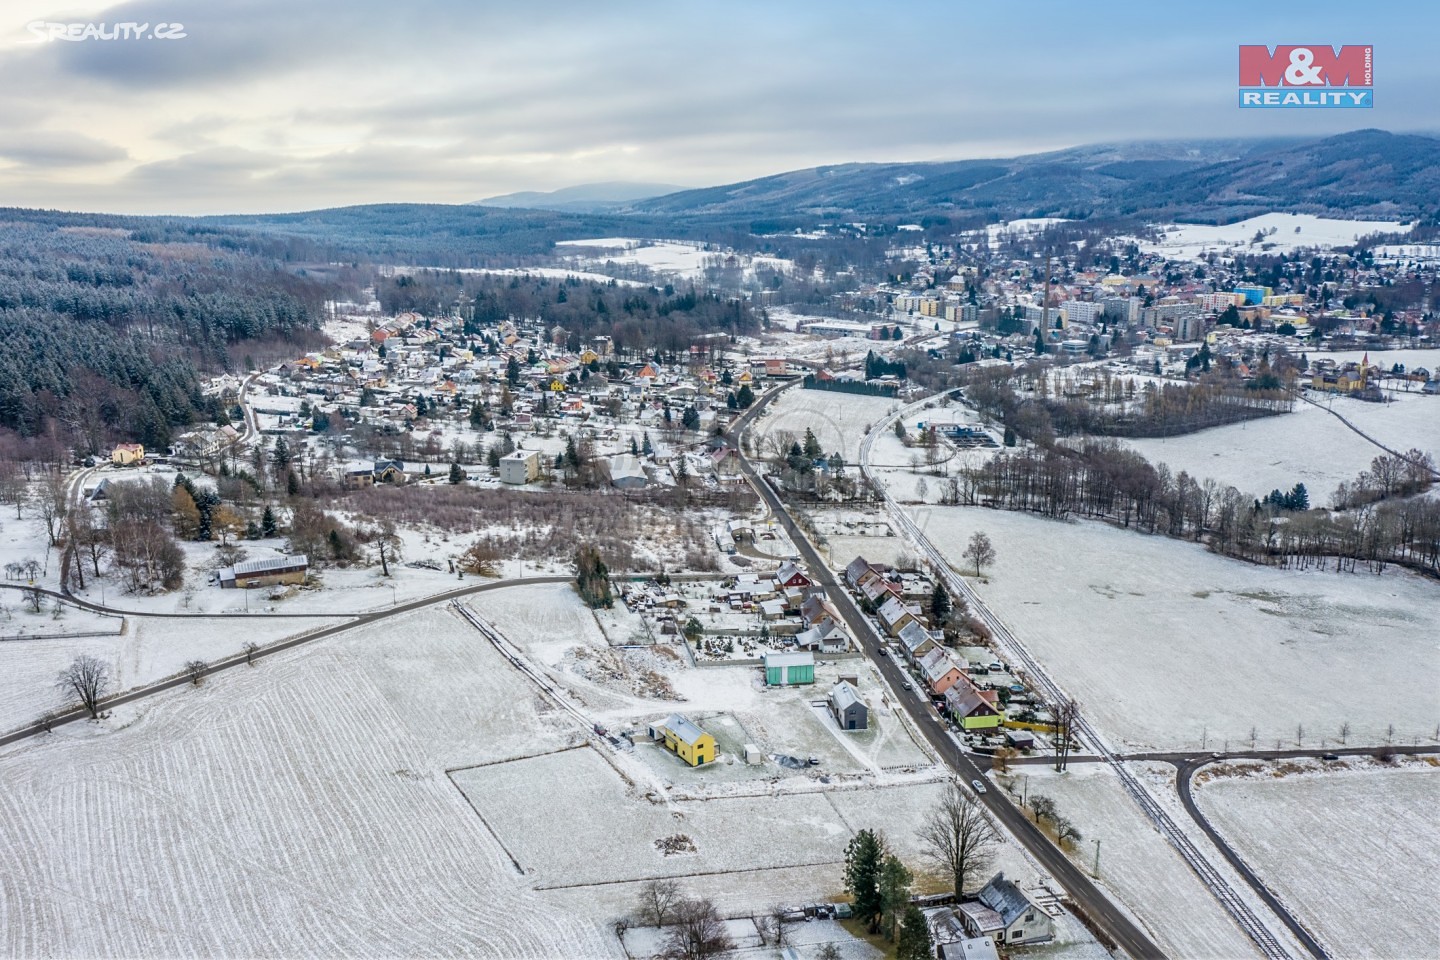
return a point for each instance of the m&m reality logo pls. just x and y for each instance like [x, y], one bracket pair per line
[1307, 76]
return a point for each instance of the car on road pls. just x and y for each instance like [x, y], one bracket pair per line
[905, 685]
[979, 787]
[884, 652]
[1330, 756]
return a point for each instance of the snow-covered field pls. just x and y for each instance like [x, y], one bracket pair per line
[1292, 231]
[839, 420]
[1137, 865]
[1354, 854]
[1164, 643]
[1307, 446]
[296, 809]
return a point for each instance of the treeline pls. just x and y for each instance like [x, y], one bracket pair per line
[1159, 410]
[1103, 480]
[636, 319]
[105, 335]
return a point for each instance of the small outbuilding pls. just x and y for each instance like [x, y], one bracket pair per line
[789, 669]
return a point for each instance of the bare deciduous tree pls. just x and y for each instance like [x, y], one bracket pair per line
[957, 838]
[980, 551]
[86, 678]
[196, 670]
[657, 901]
[698, 932]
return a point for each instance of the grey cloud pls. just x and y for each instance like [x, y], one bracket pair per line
[57, 148]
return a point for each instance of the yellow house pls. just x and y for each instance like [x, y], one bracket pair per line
[126, 454]
[588, 356]
[685, 737]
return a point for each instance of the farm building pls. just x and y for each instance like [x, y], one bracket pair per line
[264, 573]
[683, 736]
[789, 669]
[849, 710]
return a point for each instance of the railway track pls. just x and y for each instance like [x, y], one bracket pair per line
[1015, 651]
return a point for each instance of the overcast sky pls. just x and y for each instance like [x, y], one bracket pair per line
[271, 105]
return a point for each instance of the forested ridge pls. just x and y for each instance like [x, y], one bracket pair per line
[106, 331]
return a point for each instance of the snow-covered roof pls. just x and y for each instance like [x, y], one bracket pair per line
[789, 660]
[684, 728]
[844, 696]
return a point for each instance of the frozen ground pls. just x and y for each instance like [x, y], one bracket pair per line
[1138, 866]
[839, 420]
[150, 649]
[1307, 446]
[297, 809]
[1354, 853]
[1164, 643]
[1292, 231]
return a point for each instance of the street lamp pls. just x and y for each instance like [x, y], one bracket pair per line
[1096, 871]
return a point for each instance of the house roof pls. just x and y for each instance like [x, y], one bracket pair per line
[913, 636]
[893, 610]
[982, 917]
[964, 700]
[799, 659]
[937, 664]
[684, 728]
[253, 567]
[844, 696]
[1006, 899]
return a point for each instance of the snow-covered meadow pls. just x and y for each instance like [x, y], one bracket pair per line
[1353, 853]
[1292, 231]
[299, 808]
[1165, 644]
[839, 420]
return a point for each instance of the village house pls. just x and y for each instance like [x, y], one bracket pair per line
[127, 454]
[848, 708]
[1004, 912]
[894, 615]
[685, 738]
[972, 708]
[940, 672]
[915, 641]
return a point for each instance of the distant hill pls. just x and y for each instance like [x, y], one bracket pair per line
[1367, 173]
[583, 198]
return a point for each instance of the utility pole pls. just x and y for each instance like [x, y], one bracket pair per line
[1096, 872]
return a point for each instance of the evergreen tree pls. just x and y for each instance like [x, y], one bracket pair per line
[863, 857]
[1039, 342]
[267, 522]
[811, 449]
[634, 448]
[895, 881]
[280, 456]
[940, 605]
[744, 397]
[457, 475]
[292, 485]
[915, 942]
[690, 419]
[1299, 498]
[646, 447]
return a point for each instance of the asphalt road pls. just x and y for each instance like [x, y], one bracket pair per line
[1081, 889]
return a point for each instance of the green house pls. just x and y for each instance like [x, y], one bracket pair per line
[789, 669]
